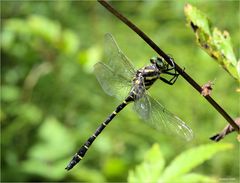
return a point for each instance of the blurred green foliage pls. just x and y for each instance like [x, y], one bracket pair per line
[51, 102]
[152, 168]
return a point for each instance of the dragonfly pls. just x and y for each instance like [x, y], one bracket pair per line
[118, 77]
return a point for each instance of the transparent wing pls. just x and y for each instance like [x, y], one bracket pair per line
[114, 84]
[152, 112]
[142, 104]
[116, 60]
[116, 73]
[143, 107]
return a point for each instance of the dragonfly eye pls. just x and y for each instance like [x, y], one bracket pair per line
[153, 60]
[160, 62]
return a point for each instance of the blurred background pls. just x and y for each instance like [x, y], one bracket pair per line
[51, 101]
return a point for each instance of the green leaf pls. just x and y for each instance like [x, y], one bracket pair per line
[189, 159]
[224, 51]
[216, 43]
[150, 169]
[196, 17]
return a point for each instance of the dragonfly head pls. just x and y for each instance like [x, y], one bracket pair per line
[159, 62]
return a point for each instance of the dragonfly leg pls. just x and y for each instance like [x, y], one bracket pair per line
[170, 73]
[172, 80]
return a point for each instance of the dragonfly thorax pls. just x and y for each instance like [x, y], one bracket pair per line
[144, 79]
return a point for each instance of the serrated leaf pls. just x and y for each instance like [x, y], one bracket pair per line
[224, 51]
[223, 44]
[150, 169]
[216, 43]
[197, 18]
[189, 159]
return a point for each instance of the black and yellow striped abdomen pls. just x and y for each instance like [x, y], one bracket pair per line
[82, 151]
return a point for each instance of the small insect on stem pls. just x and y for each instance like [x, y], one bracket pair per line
[207, 88]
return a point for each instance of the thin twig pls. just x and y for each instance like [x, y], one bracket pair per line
[169, 60]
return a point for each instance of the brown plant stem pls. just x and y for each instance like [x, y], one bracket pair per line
[169, 60]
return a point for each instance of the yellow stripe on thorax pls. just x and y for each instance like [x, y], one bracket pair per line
[148, 78]
[149, 70]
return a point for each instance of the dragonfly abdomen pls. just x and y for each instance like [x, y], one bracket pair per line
[82, 151]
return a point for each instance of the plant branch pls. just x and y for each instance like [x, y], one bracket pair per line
[169, 60]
